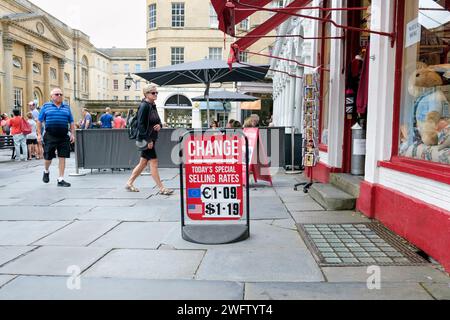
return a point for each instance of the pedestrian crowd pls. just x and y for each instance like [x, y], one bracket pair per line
[106, 120]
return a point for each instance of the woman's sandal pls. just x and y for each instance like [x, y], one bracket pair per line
[131, 188]
[166, 192]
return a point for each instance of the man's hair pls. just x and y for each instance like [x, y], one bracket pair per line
[231, 121]
[149, 88]
[108, 109]
[16, 112]
[85, 110]
[54, 90]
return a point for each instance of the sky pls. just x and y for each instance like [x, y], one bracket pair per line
[108, 23]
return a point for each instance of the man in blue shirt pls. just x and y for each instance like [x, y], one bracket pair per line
[86, 123]
[107, 119]
[57, 117]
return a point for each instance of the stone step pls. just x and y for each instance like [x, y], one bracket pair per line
[332, 198]
[347, 183]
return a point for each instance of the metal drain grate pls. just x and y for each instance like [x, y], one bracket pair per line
[358, 245]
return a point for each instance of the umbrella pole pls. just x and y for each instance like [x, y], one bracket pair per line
[207, 104]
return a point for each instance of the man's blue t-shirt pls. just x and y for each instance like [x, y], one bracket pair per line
[106, 121]
[86, 119]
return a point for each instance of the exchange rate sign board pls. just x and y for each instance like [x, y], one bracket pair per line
[214, 167]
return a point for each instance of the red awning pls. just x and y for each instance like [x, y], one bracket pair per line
[227, 15]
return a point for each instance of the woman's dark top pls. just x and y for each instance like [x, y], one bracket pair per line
[148, 117]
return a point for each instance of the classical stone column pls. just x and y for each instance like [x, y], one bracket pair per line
[8, 67]
[46, 71]
[29, 53]
[61, 64]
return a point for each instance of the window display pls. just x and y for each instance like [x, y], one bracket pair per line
[425, 113]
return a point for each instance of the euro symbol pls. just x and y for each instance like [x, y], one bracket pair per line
[207, 193]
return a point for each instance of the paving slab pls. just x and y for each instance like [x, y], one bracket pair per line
[23, 233]
[440, 291]
[267, 208]
[55, 288]
[37, 201]
[247, 265]
[92, 203]
[136, 235]
[41, 213]
[334, 291]
[10, 253]
[147, 264]
[53, 261]
[307, 204]
[398, 274]
[4, 279]
[262, 235]
[122, 214]
[78, 234]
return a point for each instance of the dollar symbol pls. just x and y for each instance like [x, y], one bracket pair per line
[74, 281]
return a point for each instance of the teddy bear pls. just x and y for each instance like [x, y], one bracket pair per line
[430, 105]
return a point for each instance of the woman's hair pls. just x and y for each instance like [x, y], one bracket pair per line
[214, 123]
[149, 88]
[29, 115]
[248, 123]
[237, 125]
[16, 112]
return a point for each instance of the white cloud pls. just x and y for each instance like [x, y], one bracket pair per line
[108, 23]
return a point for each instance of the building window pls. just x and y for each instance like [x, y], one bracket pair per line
[137, 68]
[84, 79]
[99, 81]
[17, 62]
[177, 15]
[215, 53]
[18, 97]
[243, 56]
[127, 98]
[424, 110]
[138, 85]
[53, 74]
[115, 85]
[99, 96]
[125, 86]
[137, 98]
[152, 15]
[127, 68]
[152, 58]
[104, 84]
[244, 25]
[177, 55]
[36, 68]
[115, 98]
[213, 20]
[115, 68]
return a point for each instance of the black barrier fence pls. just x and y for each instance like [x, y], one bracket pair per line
[112, 149]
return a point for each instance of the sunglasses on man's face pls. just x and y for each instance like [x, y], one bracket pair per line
[58, 94]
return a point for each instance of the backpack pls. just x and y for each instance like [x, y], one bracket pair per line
[133, 130]
[25, 127]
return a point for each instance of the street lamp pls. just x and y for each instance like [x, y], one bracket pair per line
[129, 81]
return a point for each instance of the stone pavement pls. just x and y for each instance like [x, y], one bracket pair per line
[129, 245]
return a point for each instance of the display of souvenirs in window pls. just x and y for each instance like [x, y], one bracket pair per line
[179, 118]
[311, 120]
[425, 113]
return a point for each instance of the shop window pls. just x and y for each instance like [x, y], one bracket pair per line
[424, 109]
[178, 112]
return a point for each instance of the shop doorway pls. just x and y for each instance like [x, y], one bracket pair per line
[357, 51]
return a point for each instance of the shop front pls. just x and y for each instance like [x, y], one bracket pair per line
[384, 66]
[396, 88]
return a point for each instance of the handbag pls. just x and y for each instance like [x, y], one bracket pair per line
[25, 127]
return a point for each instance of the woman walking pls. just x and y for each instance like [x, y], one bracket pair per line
[20, 140]
[32, 142]
[149, 125]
